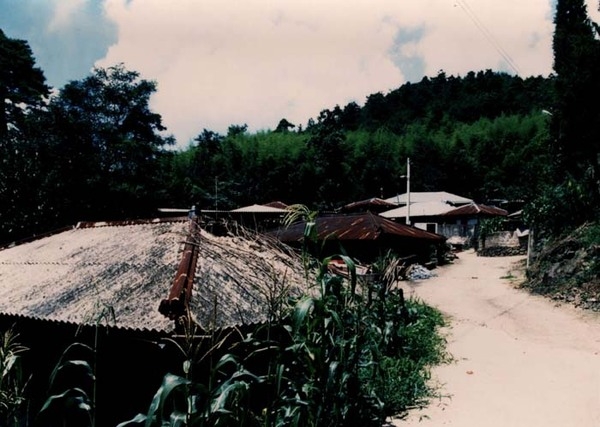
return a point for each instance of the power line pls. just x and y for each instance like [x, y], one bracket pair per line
[467, 9]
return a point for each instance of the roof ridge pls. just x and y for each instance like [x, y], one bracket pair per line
[128, 222]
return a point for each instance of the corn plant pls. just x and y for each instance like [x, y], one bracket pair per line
[72, 388]
[72, 384]
[219, 402]
[12, 381]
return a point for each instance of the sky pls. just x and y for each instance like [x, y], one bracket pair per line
[219, 63]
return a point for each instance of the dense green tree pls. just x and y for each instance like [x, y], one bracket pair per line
[235, 130]
[575, 117]
[328, 148]
[284, 126]
[23, 165]
[329, 164]
[22, 84]
[112, 142]
[377, 161]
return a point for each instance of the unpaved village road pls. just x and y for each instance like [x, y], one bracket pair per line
[520, 360]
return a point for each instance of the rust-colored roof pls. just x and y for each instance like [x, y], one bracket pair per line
[366, 226]
[474, 209]
[374, 204]
[129, 268]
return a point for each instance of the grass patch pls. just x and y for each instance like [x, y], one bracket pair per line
[406, 381]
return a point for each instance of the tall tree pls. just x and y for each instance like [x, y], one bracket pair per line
[22, 92]
[576, 134]
[112, 137]
[22, 84]
[327, 143]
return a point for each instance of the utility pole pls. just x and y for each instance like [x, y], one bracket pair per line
[408, 191]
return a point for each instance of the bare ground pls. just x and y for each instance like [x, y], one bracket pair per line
[517, 359]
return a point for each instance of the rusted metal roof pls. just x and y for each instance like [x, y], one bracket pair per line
[176, 305]
[366, 226]
[374, 205]
[474, 209]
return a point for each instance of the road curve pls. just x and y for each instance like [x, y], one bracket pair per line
[519, 360]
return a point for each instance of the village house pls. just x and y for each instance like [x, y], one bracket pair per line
[131, 289]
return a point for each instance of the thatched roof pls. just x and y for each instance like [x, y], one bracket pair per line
[128, 268]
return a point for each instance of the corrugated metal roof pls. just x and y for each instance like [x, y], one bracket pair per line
[429, 196]
[366, 226]
[276, 204]
[419, 210]
[474, 209]
[77, 275]
[259, 209]
[375, 204]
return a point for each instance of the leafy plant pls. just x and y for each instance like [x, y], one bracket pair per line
[72, 384]
[71, 390]
[12, 381]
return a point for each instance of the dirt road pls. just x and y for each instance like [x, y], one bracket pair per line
[519, 360]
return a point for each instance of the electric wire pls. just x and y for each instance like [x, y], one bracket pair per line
[488, 35]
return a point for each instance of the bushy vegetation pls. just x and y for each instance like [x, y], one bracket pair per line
[347, 355]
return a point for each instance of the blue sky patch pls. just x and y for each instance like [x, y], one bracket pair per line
[67, 51]
[411, 66]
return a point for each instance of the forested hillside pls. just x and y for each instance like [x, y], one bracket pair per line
[482, 136]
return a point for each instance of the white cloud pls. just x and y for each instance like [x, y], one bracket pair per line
[64, 10]
[221, 62]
